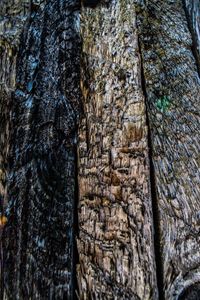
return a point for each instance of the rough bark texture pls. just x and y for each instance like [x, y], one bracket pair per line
[40, 107]
[45, 109]
[173, 92]
[13, 14]
[115, 218]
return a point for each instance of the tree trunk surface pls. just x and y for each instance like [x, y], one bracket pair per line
[38, 239]
[136, 169]
[13, 15]
[173, 90]
[192, 9]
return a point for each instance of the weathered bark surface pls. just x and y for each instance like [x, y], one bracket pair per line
[173, 94]
[115, 218]
[45, 108]
[40, 107]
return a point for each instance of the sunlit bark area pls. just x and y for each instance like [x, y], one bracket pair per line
[115, 242]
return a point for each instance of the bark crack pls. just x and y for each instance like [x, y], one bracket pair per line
[154, 200]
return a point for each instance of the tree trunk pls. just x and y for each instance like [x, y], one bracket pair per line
[136, 171]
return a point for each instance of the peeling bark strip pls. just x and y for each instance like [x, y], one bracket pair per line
[115, 218]
[173, 91]
[45, 110]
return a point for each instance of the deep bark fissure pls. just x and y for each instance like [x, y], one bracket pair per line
[1, 269]
[191, 293]
[154, 200]
[194, 47]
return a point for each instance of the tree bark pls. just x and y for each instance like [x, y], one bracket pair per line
[138, 149]
[115, 241]
[173, 90]
[13, 16]
[38, 239]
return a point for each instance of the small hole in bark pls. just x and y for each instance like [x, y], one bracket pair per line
[91, 197]
[90, 3]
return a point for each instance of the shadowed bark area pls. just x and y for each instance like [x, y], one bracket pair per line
[191, 293]
[38, 239]
[192, 8]
[115, 241]
[173, 93]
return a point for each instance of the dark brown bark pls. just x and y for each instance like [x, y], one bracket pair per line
[38, 239]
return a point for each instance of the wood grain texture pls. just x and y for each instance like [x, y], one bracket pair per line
[173, 94]
[115, 218]
[38, 239]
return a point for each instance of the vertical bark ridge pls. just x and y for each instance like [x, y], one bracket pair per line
[115, 243]
[38, 239]
[173, 90]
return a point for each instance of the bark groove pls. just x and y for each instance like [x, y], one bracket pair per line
[192, 8]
